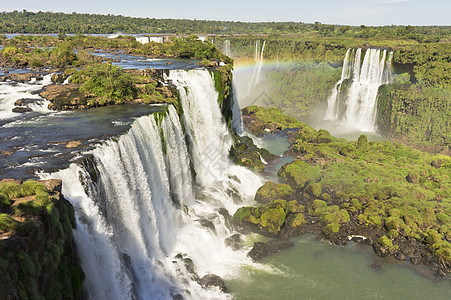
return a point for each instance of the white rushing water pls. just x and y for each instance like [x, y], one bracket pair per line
[355, 106]
[10, 92]
[258, 58]
[227, 50]
[142, 212]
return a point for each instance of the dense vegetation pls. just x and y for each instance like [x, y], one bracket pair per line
[386, 191]
[415, 114]
[300, 89]
[44, 266]
[310, 49]
[37, 57]
[48, 22]
[105, 82]
[431, 63]
[57, 51]
[417, 106]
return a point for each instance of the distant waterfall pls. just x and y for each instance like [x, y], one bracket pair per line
[355, 105]
[227, 48]
[143, 214]
[258, 58]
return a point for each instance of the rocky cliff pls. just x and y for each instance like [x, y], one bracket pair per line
[38, 257]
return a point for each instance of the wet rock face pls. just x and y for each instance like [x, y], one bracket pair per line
[261, 250]
[59, 78]
[247, 154]
[21, 109]
[234, 241]
[27, 101]
[212, 280]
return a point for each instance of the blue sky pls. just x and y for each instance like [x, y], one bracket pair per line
[350, 12]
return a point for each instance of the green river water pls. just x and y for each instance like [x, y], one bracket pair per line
[315, 269]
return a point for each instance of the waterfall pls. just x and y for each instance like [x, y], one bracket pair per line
[227, 50]
[259, 61]
[237, 120]
[258, 58]
[143, 213]
[355, 106]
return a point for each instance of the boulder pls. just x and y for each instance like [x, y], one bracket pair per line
[323, 137]
[21, 109]
[21, 77]
[212, 280]
[234, 241]
[7, 153]
[64, 96]
[400, 256]
[376, 266]
[26, 101]
[51, 92]
[59, 77]
[261, 250]
[412, 178]
[271, 191]
[73, 144]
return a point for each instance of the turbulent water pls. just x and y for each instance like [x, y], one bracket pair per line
[10, 92]
[353, 101]
[150, 201]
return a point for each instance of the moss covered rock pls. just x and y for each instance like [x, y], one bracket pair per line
[258, 119]
[299, 173]
[271, 191]
[270, 218]
[247, 154]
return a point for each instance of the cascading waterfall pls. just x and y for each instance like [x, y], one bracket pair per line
[140, 214]
[358, 108]
[332, 101]
[259, 61]
[258, 58]
[237, 120]
[227, 50]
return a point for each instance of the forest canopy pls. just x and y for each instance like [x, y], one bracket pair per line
[49, 22]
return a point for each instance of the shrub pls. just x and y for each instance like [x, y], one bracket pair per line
[7, 223]
[106, 82]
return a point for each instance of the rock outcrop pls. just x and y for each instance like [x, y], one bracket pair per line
[38, 258]
[21, 77]
[64, 97]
